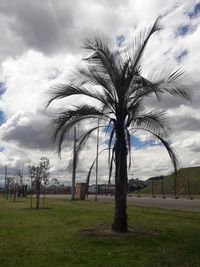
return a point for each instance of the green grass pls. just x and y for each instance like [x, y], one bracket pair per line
[51, 237]
[193, 173]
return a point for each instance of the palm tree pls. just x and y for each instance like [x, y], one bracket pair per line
[113, 77]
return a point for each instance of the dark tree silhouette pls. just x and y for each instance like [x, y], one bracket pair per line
[113, 78]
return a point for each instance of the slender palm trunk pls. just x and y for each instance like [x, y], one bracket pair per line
[120, 213]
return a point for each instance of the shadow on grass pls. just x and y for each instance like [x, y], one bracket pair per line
[106, 231]
[47, 208]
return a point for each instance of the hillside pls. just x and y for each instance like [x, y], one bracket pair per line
[193, 173]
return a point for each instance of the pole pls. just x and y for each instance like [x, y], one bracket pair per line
[97, 162]
[74, 167]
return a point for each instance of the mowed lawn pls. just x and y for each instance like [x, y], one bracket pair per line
[54, 237]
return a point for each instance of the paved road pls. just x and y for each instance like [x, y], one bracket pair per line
[167, 203]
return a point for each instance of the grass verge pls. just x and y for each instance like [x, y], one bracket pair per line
[55, 236]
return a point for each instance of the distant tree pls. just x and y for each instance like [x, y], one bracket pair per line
[11, 187]
[19, 178]
[45, 166]
[32, 173]
[114, 79]
[54, 184]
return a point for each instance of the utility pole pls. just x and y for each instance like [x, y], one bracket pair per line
[97, 161]
[74, 167]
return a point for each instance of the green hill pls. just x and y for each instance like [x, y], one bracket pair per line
[193, 173]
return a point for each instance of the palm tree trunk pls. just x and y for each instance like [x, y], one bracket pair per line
[120, 213]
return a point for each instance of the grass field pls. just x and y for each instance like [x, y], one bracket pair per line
[53, 236]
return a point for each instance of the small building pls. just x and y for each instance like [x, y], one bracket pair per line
[80, 191]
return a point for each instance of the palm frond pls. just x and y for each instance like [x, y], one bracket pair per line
[102, 57]
[90, 76]
[141, 42]
[172, 153]
[64, 90]
[66, 120]
[175, 84]
[83, 138]
[141, 87]
[154, 121]
[90, 169]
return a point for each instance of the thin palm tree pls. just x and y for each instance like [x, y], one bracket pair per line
[113, 77]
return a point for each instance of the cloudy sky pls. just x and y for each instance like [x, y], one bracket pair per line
[40, 46]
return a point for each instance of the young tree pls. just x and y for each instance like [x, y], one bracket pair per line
[11, 187]
[114, 79]
[19, 178]
[44, 166]
[32, 173]
[39, 173]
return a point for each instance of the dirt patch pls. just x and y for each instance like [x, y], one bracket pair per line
[106, 231]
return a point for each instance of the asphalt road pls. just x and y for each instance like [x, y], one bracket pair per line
[167, 203]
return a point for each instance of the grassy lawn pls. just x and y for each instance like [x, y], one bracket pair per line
[52, 236]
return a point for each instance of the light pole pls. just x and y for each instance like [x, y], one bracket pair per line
[74, 167]
[97, 161]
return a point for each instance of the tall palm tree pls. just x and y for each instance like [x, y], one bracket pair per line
[113, 77]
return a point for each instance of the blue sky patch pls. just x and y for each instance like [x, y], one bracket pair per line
[183, 30]
[195, 12]
[120, 40]
[2, 117]
[2, 149]
[2, 88]
[135, 142]
[181, 55]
